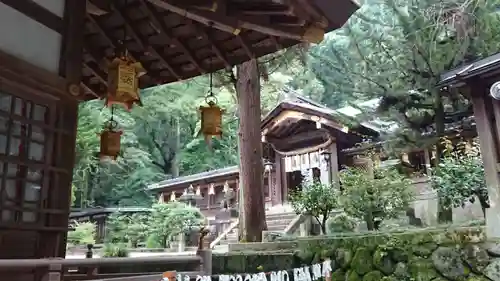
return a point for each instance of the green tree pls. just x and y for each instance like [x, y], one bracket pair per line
[131, 228]
[459, 178]
[316, 199]
[168, 220]
[374, 199]
[82, 234]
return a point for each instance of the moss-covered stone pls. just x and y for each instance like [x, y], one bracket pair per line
[492, 271]
[343, 257]
[362, 261]
[373, 276]
[390, 278]
[351, 275]
[474, 277]
[401, 270]
[339, 275]
[383, 262]
[476, 257]
[399, 254]
[304, 257]
[421, 269]
[425, 249]
[448, 262]
[328, 254]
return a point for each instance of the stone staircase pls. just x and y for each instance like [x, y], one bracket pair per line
[277, 220]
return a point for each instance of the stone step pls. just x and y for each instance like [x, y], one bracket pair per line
[288, 215]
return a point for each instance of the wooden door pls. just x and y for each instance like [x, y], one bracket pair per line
[37, 134]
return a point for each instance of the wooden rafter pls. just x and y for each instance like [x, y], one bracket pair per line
[88, 89]
[143, 42]
[204, 33]
[157, 20]
[246, 47]
[113, 43]
[234, 25]
[97, 72]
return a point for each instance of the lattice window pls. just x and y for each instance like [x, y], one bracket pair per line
[22, 150]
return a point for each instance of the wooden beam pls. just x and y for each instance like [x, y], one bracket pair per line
[156, 18]
[234, 25]
[298, 138]
[89, 90]
[246, 47]
[97, 72]
[113, 43]
[36, 12]
[204, 33]
[143, 42]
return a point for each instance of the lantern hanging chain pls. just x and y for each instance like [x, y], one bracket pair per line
[122, 51]
[112, 124]
[210, 98]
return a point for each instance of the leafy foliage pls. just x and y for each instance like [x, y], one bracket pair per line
[384, 196]
[167, 221]
[115, 251]
[82, 234]
[316, 199]
[459, 177]
[157, 229]
[341, 223]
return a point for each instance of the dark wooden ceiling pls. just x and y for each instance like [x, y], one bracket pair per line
[177, 40]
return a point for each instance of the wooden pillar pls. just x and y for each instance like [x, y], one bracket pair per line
[334, 163]
[489, 153]
[284, 182]
[70, 67]
[280, 169]
[250, 147]
[427, 161]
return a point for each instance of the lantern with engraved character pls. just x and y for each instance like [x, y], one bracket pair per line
[123, 81]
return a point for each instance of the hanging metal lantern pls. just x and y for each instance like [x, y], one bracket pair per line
[110, 141]
[211, 120]
[123, 81]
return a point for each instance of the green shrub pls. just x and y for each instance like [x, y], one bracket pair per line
[153, 242]
[115, 251]
[83, 233]
[341, 223]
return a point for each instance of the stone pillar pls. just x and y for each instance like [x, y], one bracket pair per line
[488, 139]
[182, 243]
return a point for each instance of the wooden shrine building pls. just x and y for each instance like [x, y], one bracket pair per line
[479, 81]
[301, 139]
[55, 54]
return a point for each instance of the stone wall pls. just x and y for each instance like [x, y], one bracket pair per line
[423, 255]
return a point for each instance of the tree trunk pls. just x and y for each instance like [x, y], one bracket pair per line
[445, 215]
[370, 223]
[175, 161]
[323, 224]
[251, 170]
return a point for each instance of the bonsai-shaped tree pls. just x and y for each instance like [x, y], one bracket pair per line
[316, 199]
[459, 176]
[127, 228]
[171, 219]
[374, 198]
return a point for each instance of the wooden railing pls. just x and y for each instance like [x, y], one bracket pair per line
[223, 235]
[117, 269]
